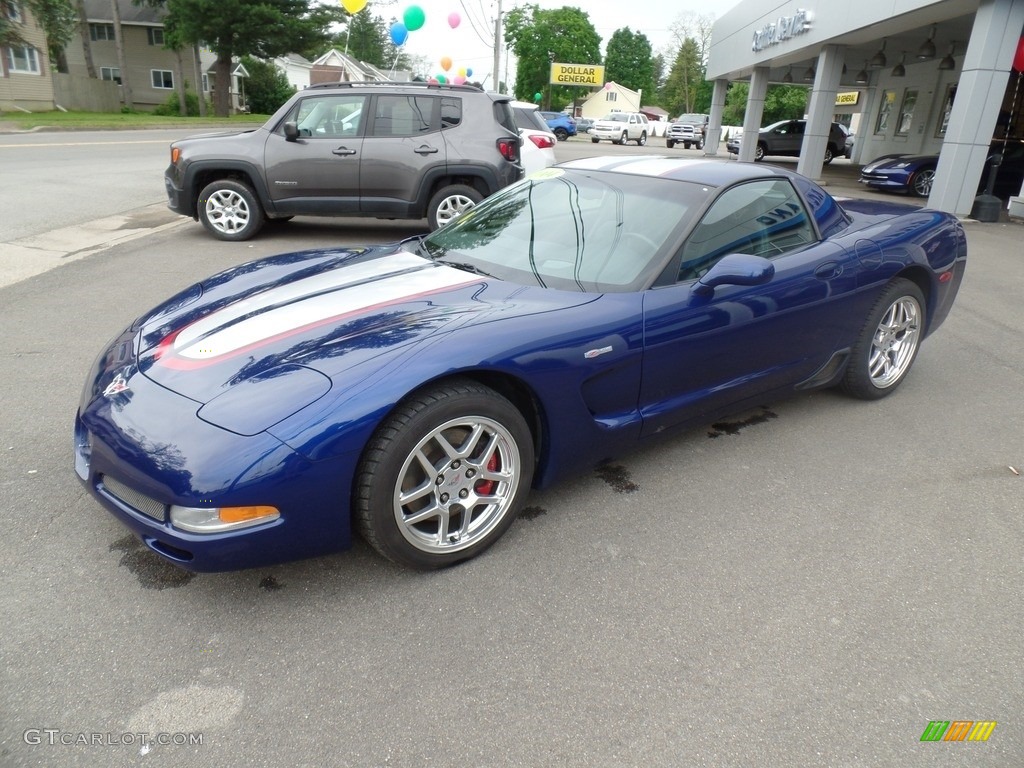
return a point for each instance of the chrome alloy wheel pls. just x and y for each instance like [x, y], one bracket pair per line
[227, 211]
[922, 182]
[451, 207]
[457, 485]
[895, 342]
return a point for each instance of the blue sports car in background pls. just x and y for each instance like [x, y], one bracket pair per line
[916, 173]
[416, 392]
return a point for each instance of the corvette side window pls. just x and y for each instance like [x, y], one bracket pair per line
[761, 218]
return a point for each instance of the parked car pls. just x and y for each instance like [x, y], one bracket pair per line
[689, 130]
[387, 150]
[786, 138]
[416, 392]
[584, 124]
[915, 174]
[538, 149]
[560, 124]
[620, 127]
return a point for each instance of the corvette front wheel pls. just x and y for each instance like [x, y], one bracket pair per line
[444, 476]
[888, 343]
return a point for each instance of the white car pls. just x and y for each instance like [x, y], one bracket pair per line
[538, 149]
[620, 127]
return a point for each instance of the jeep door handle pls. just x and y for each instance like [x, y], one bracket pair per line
[343, 151]
[425, 150]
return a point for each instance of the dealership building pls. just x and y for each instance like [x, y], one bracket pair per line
[910, 76]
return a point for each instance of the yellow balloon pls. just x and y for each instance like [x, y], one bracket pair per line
[462, 71]
[353, 6]
[446, 63]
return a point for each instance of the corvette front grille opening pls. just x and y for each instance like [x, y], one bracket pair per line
[140, 502]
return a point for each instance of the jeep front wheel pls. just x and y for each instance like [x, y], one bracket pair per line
[229, 210]
[449, 202]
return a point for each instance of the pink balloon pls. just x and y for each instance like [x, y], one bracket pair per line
[454, 19]
[459, 79]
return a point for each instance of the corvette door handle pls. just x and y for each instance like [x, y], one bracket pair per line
[829, 270]
[425, 150]
[343, 151]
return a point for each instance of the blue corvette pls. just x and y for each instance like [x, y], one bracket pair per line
[415, 393]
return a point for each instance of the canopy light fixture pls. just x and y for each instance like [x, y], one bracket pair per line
[878, 60]
[810, 74]
[927, 49]
[899, 70]
[788, 77]
[862, 76]
[947, 61]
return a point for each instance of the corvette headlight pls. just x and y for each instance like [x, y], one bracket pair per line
[901, 165]
[220, 519]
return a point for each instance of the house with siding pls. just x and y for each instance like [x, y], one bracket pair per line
[26, 78]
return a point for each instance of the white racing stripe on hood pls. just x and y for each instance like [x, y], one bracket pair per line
[289, 308]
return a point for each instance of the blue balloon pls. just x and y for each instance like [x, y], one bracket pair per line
[399, 34]
[469, 72]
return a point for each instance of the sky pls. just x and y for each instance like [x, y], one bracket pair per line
[469, 45]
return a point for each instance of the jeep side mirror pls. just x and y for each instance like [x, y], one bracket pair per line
[291, 131]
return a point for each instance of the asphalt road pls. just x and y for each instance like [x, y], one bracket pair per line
[808, 584]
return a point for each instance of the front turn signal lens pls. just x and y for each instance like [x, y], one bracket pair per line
[175, 155]
[243, 514]
[221, 519]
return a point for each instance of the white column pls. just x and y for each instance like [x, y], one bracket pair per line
[820, 110]
[755, 109]
[979, 95]
[714, 137]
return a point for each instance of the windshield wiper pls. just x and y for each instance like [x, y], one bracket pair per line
[465, 267]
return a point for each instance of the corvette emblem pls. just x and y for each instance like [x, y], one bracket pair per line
[118, 385]
[592, 353]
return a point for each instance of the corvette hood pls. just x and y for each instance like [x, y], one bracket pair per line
[301, 320]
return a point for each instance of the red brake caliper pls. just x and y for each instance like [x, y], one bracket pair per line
[486, 487]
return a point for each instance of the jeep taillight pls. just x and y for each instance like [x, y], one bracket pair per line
[509, 149]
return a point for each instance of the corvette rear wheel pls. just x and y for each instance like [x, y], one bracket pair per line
[888, 344]
[230, 210]
[445, 476]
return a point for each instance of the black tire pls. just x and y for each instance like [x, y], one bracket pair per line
[642, 140]
[622, 139]
[449, 202]
[493, 471]
[595, 139]
[230, 210]
[888, 343]
[700, 144]
[686, 145]
[561, 134]
[669, 143]
[760, 152]
[830, 153]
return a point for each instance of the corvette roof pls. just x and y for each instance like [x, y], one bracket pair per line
[713, 173]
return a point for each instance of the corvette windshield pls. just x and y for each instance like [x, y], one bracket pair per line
[571, 230]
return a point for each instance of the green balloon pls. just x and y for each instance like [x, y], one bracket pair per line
[538, 96]
[414, 18]
[441, 78]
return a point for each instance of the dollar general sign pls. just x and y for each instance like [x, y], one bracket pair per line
[577, 74]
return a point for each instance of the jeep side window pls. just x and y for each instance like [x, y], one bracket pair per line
[451, 112]
[328, 117]
[403, 115]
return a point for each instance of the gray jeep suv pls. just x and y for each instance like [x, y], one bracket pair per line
[385, 150]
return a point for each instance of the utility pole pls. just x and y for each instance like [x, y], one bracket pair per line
[497, 50]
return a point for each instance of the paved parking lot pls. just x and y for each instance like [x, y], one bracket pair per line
[807, 584]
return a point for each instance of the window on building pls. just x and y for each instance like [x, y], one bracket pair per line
[162, 78]
[611, 96]
[101, 31]
[156, 35]
[906, 112]
[23, 58]
[946, 111]
[13, 12]
[206, 83]
[884, 110]
[111, 73]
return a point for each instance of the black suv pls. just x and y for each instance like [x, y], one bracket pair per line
[787, 137]
[386, 150]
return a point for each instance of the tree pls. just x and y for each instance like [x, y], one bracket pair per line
[628, 61]
[540, 37]
[683, 84]
[781, 102]
[57, 18]
[235, 27]
[266, 88]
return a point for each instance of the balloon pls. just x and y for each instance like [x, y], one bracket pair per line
[462, 71]
[538, 96]
[353, 6]
[399, 34]
[433, 81]
[414, 18]
[469, 72]
[459, 79]
[454, 19]
[1018, 57]
[442, 79]
[446, 63]
[607, 86]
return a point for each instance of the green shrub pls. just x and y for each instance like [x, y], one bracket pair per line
[172, 108]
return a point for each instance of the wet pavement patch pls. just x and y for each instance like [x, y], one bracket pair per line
[532, 513]
[152, 571]
[617, 476]
[720, 428]
[270, 584]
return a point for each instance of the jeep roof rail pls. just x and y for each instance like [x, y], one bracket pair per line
[391, 84]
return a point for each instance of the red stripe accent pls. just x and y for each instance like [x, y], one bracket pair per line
[166, 355]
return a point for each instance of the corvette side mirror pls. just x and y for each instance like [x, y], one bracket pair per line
[735, 269]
